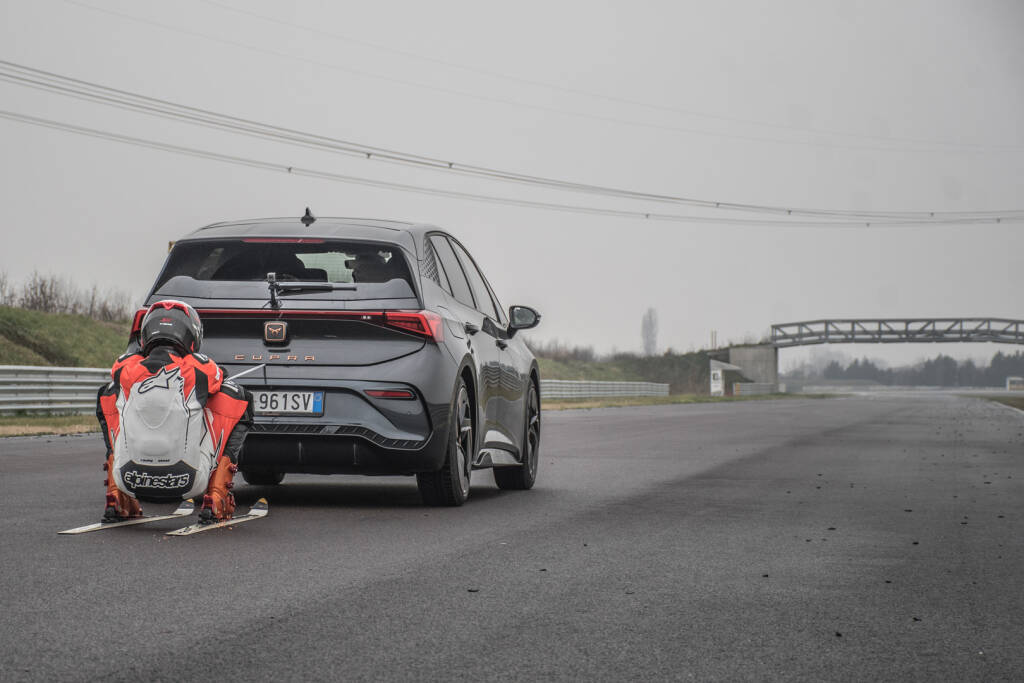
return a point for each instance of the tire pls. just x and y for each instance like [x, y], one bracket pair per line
[449, 486]
[262, 477]
[522, 477]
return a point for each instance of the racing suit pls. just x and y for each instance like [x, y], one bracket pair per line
[169, 421]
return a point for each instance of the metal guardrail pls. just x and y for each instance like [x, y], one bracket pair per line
[564, 388]
[753, 388]
[32, 389]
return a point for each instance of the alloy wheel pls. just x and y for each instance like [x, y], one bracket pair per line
[464, 439]
[532, 431]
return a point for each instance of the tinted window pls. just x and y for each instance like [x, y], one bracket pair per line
[372, 267]
[502, 318]
[432, 269]
[484, 304]
[460, 288]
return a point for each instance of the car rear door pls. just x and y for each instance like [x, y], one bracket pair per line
[480, 330]
[503, 435]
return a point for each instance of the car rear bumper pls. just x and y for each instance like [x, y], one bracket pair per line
[357, 433]
[349, 411]
[338, 455]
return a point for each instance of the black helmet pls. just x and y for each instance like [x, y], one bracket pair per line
[171, 322]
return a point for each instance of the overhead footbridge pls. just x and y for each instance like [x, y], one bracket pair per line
[897, 331]
[760, 362]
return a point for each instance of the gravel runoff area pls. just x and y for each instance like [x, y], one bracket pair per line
[861, 538]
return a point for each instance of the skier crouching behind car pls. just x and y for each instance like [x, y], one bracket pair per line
[172, 424]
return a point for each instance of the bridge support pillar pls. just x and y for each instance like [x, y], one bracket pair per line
[760, 363]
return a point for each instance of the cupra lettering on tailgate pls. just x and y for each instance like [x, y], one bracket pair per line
[273, 356]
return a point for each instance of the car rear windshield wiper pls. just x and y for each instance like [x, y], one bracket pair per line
[315, 286]
[277, 287]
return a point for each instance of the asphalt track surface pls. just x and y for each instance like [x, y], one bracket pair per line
[867, 538]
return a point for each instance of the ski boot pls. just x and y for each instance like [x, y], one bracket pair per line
[120, 506]
[219, 502]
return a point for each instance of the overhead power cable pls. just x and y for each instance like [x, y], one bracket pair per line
[421, 57]
[515, 102]
[36, 78]
[455, 194]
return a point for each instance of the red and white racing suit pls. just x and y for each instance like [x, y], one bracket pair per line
[168, 419]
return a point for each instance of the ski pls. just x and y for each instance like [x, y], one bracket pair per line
[259, 510]
[185, 509]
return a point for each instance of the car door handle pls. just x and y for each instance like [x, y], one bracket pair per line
[501, 344]
[471, 328]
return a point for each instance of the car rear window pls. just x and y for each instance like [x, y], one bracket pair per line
[371, 266]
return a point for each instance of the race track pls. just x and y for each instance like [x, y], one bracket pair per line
[864, 538]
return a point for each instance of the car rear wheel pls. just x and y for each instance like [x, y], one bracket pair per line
[262, 477]
[449, 486]
[522, 477]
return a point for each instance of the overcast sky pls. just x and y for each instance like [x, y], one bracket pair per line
[846, 105]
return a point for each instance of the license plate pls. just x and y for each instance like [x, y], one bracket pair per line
[288, 402]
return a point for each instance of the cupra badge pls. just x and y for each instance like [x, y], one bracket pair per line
[275, 331]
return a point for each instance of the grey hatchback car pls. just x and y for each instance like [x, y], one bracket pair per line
[383, 348]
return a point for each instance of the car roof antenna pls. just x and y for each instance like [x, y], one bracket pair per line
[308, 219]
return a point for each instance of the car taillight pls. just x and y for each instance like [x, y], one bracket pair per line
[426, 323]
[390, 393]
[137, 323]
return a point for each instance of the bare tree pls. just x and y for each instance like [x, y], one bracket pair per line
[561, 351]
[90, 307]
[51, 294]
[6, 290]
[112, 306]
[44, 293]
[649, 332]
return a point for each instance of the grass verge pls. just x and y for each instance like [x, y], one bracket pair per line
[31, 425]
[626, 401]
[1012, 401]
[36, 338]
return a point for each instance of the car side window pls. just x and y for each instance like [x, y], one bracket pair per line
[452, 270]
[432, 269]
[484, 303]
[502, 318]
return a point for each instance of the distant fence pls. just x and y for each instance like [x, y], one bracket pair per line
[31, 389]
[565, 388]
[753, 388]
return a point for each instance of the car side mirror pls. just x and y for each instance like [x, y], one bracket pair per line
[522, 318]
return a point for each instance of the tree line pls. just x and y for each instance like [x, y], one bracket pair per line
[53, 294]
[941, 371]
